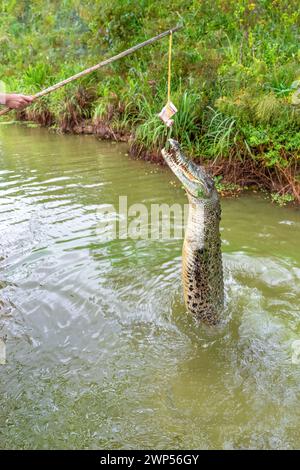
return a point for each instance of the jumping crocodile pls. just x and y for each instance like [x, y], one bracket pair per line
[202, 270]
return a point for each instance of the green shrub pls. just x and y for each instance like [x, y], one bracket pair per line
[235, 71]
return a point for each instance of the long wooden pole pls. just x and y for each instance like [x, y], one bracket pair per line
[52, 88]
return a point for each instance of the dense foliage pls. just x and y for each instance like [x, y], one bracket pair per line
[235, 69]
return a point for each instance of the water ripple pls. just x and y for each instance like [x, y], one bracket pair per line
[101, 352]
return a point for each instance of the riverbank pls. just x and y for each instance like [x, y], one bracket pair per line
[235, 72]
[231, 176]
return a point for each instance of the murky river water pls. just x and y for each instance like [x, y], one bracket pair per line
[100, 352]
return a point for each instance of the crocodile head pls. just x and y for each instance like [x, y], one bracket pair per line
[193, 177]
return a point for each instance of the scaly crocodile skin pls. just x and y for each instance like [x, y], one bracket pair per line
[202, 270]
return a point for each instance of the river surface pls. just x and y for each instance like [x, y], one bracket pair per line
[100, 352]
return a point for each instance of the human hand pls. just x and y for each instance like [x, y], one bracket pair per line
[17, 101]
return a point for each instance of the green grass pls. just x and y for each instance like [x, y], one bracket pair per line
[236, 69]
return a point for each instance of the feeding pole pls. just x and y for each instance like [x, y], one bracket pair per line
[52, 88]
